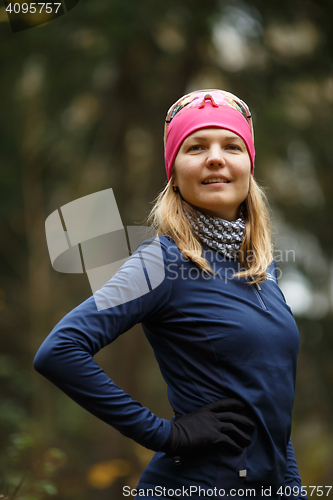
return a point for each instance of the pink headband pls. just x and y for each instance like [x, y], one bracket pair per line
[189, 120]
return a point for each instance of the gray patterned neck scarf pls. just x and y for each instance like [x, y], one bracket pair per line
[222, 235]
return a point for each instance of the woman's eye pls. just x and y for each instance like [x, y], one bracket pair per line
[195, 147]
[234, 147]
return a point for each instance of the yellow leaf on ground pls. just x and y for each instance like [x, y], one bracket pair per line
[103, 474]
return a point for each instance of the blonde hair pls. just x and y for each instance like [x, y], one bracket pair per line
[256, 252]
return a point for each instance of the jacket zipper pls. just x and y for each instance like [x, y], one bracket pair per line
[256, 291]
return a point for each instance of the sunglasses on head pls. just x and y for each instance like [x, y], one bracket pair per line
[217, 98]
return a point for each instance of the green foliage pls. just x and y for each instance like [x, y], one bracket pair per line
[20, 480]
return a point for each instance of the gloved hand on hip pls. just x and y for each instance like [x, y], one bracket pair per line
[213, 427]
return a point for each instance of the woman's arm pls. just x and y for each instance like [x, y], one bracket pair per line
[66, 356]
[292, 478]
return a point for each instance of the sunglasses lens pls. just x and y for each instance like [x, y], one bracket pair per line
[194, 99]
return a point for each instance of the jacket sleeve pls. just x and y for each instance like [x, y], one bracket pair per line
[292, 478]
[137, 291]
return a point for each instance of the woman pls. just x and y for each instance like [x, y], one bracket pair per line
[206, 293]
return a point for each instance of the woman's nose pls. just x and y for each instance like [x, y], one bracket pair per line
[215, 156]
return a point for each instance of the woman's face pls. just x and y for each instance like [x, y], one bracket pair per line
[212, 171]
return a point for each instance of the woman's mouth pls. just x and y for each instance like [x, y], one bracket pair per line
[215, 180]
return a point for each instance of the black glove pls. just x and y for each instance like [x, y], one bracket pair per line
[213, 426]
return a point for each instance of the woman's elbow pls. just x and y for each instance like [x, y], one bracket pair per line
[42, 360]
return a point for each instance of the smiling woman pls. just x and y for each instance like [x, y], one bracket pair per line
[212, 171]
[227, 347]
[209, 135]
[212, 202]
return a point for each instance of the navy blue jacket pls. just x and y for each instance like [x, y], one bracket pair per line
[213, 337]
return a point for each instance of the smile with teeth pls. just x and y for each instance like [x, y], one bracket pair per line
[215, 179]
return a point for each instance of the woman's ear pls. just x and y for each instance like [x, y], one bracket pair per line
[174, 182]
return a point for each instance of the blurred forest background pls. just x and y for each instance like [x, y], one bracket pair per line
[83, 100]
